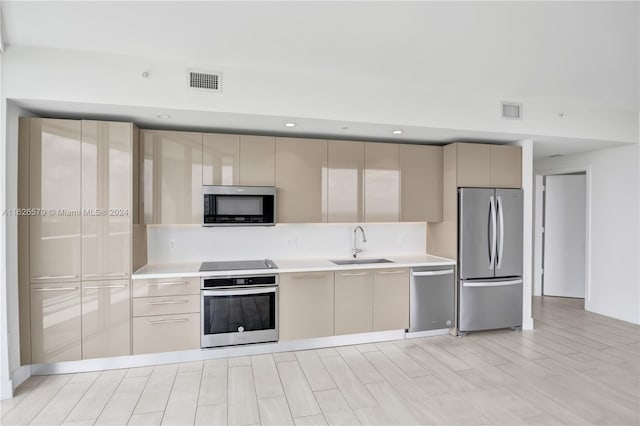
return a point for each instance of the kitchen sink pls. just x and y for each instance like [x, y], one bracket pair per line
[359, 261]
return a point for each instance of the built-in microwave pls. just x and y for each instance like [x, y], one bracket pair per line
[226, 205]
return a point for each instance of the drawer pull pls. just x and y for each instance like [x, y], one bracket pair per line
[391, 272]
[308, 276]
[354, 274]
[106, 275]
[168, 302]
[168, 321]
[168, 283]
[104, 286]
[55, 289]
[50, 277]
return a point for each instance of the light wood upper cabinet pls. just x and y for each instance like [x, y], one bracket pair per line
[421, 183]
[55, 322]
[506, 166]
[171, 177]
[489, 166]
[353, 302]
[106, 199]
[301, 178]
[390, 299]
[54, 187]
[306, 305]
[106, 319]
[166, 333]
[220, 159]
[345, 181]
[381, 182]
[257, 160]
[474, 165]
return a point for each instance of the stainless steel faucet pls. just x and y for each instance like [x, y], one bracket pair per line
[354, 247]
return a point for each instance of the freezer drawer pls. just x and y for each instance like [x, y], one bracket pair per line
[489, 304]
[432, 299]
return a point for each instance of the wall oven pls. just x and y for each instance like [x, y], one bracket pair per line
[238, 205]
[237, 310]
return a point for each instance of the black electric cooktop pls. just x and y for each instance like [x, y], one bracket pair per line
[236, 265]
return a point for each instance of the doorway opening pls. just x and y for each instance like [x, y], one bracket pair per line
[564, 236]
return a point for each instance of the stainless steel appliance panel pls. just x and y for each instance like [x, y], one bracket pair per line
[489, 304]
[432, 299]
[226, 205]
[477, 232]
[509, 211]
[239, 316]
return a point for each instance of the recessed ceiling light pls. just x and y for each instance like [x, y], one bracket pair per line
[398, 132]
[163, 116]
[289, 124]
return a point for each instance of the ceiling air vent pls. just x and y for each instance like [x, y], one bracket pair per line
[511, 110]
[205, 80]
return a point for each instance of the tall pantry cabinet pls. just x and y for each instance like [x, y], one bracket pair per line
[75, 269]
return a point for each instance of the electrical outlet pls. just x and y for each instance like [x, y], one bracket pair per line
[292, 242]
[172, 244]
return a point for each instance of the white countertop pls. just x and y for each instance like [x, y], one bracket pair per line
[172, 270]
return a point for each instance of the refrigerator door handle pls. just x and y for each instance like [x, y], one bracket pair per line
[493, 236]
[490, 283]
[500, 231]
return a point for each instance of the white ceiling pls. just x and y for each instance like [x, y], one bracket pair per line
[578, 52]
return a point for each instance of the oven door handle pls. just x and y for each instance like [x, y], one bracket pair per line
[239, 291]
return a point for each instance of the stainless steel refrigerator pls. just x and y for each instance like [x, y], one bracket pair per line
[489, 258]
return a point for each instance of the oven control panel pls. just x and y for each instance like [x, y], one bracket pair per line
[239, 281]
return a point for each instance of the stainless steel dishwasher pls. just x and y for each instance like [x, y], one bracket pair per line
[432, 298]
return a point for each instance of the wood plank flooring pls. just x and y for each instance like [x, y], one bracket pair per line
[575, 368]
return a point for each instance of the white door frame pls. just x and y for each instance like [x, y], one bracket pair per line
[538, 241]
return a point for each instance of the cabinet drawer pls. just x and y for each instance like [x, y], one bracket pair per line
[166, 287]
[166, 333]
[145, 306]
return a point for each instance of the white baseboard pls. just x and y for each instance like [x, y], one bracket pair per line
[6, 390]
[527, 324]
[20, 375]
[132, 361]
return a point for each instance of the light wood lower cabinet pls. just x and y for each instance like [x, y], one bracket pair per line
[166, 287]
[353, 302]
[390, 299]
[371, 300]
[145, 306]
[306, 305]
[166, 315]
[55, 322]
[106, 319]
[166, 333]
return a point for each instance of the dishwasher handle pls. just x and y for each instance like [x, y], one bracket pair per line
[432, 273]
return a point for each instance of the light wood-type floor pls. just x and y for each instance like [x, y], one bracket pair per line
[574, 368]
